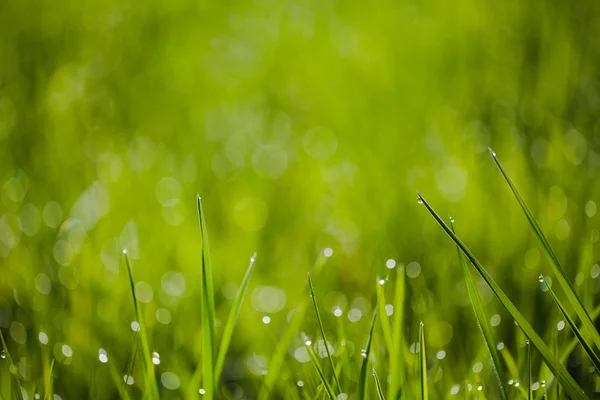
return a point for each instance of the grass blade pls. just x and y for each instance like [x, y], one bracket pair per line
[286, 338]
[314, 301]
[362, 378]
[208, 311]
[149, 376]
[315, 361]
[422, 362]
[529, 381]
[565, 379]
[232, 319]
[558, 270]
[586, 346]
[378, 385]
[396, 358]
[16, 387]
[482, 321]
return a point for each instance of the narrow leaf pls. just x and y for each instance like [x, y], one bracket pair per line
[529, 381]
[422, 362]
[16, 386]
[378, 386]
[362, 378]
[315, 362]
[566, 380]
[232, 319]
[558, 270]
[396, 357]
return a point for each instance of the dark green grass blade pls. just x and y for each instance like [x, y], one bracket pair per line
[558, 270]
[483, 322]
[378, 386]
[529, 381]
[232, 319]
[362, 378]
[12, 370]
[586, 346]
[314, 301]
[284, 342]
[149, 376]
[566, 380]
[573, 343]
[422, 362]
[317, 365]
[208, 311]
[396, 358]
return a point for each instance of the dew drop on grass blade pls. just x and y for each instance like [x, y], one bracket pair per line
[572, 388]
[208, 310]
[482, 321]
[232, 319]
[558, 270]
[320, 322]
[584, 343]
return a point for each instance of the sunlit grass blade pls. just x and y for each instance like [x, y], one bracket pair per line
[396, 357]
[529, 381]
[362, 378]
[378, 386]
[586, 346]
[284, 342]
[12, 368]
[565, 378]
[422, 362]
[208, 311]
[558, 270]
[48, 384]
[482, 322]
[314, 301]
[317, 365]
[149, 376]
[232, 319]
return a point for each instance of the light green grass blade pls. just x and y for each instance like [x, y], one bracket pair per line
[397, 371]
[208, 311]
[558, 270]
[362, 378]
[232, 319]
[378, 386]
[586, 346]
[422, 362]
[149, 376]
[573, 343]
[48, 384]
[314, 301]
[483, 322]
[529, 381]
[566, 380]
[284, 342]
[317, 365]
[16, 386]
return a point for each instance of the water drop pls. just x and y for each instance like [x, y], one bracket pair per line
[3, 354]
[155, 358]
[541, 278]
[102, 356]
[124, 251]
[300, 383]
[328, 252]
[381, 281]
[337, 311]
[363, 353]
[511, 382]
[128, 379]
[452, 219]
[543, 383]
[492, 152]
[420, 201]
[561, 325]
[480, 388]
[201, 391]
[517, 383]
[135, 326]
[391, 263]
[266, 320]
[308, 343]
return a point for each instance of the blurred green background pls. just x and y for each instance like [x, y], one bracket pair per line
[304, 125]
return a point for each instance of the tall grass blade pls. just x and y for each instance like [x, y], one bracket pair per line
[315, 361]
[12, 370]
[586, 346]
[149, 376]
[566, 380]
[232, 319]
[422, 362]
[568, 349]
[482, 322]
[284, 342]
[378, 386]
[314, 301]
[558, 270]
[397, 372]
[48, 390]
[362, 378]
[529, 381]
[208, 311]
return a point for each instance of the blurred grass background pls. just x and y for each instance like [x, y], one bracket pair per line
[303, 125]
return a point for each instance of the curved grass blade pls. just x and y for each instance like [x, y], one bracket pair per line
[422, 361]
[586, 346]
[208, 311]
[314, 301]
[232, 319]
[315, 361]
[362, 378]
[378, 386]
[286, 338]
[482, 321]
[558, 270]
[572, 388]
[16, 386]
[149, 376]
